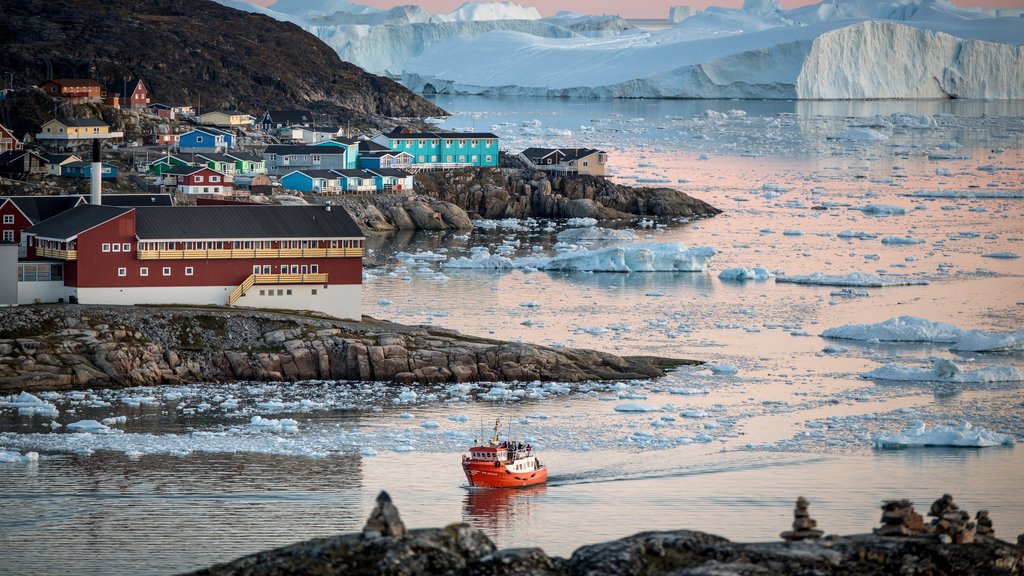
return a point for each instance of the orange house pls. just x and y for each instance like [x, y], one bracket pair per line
[74, 90]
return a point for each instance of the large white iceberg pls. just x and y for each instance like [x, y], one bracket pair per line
[918, 434]
[853, 279]
[642, 257]
[943, 370]
[915, 329]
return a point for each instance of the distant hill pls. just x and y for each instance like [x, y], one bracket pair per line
[195, 52]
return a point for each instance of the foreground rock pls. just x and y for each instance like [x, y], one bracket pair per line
[519, 193]
[388, 212]
[461, 549]
[63, 347]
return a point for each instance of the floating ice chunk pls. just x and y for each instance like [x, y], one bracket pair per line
[882, 210]
[792, 232]
[918, 434]
[7, 457]
[384, 302]
[693, 413]
[406, 416]
[367, 451]
[898, 329]
[653, 257]
[901, 240]
[407, 395]
[114, 420]
[1004, 194]
[88, 426]
[459, 418]
[283, 424]
[1002, 255]
[831, 349]
[722, 368]
[404, 448]
[29, 404]
[687, 391]
[481, 259]
[943, 370]
[636, 408]
[530, 304]
[430, 425]
[861, 135]
[740, 274]
[852, 279]
[983, 341]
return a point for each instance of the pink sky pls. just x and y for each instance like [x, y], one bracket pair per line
[632, 9]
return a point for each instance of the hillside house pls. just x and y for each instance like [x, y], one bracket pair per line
[229, 119]
[165, 163]
[282, 158]
[20, 164]
[128, 93]
[309, 134]
[197, 180]
[274, 120]
[75, 129]
[431, 150]
[312, 181]
[54, 162]
[351, 147]
[290, 257]
[374, 155]
[566, 160]
[247, 162]
[8, 141]
[220, 162]
[206, 139]
[74, 90]
[83, 170]
[390, 180]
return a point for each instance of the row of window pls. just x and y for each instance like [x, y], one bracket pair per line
[248, 245]
[451, 158]
[287, 269]
[40, 272]
[116, 247]
[212, 179]
[144, 271]
[447, 142]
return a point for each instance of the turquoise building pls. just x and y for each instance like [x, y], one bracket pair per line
[443, 149]
[351, 150]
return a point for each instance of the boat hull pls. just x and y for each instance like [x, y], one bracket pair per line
[485, 474]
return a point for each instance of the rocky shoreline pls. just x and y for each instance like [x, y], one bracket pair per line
[71, 346]
[386, 547]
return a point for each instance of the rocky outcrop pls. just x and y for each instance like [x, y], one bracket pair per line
[387, 213]
[62, 347]
[464, 550]
[512, 192]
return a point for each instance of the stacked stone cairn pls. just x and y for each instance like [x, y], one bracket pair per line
[384, 520]
[804, 527]
[899, 519]
[951, 524]
[984, 524]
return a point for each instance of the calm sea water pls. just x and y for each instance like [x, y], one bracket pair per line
[187, 481]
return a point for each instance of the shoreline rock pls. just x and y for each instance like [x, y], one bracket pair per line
[385, 547]
[73, 346]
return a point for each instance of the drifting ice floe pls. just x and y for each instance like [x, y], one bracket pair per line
[943, 370]
[7, 457]
[915, 329]
[740, 274]
[594, 234]
[882, 210]
[853, 279]
[918, 434]
[653, 257]
[28, 404]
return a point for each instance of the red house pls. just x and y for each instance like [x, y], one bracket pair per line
[199, 180]
[291, 257]
[8, 141]
[128, 93]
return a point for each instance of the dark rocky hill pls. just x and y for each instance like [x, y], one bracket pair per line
[196, 52]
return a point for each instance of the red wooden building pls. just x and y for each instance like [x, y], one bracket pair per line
[8, 141]
[291, 257]
[128, 93]
[199, 180]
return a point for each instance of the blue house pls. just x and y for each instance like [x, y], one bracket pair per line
[206, 139]
[351, 148]
[317, 181]
[84, 170]
[356, 181]
[443, 149]
[374, 155]
[392, 180]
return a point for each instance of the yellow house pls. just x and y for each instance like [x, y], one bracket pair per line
[567, 160]
[76, 129]
[232, 118]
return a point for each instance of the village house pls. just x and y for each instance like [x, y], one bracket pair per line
[281, 257]
[326, 182]
[20, 164]
[75, 129]
[127, 93]
[443, 149]
[83, 170]
[390, 180]
[220, 162]
[283, 158]
[566, 160]
[54, 162]
[309, 134]
[197, 180]
[274, 120]
[230, 119]
[351, 146]
[206, 139]
[168, 161]
[162, 139]
[247, 162]
[74, 90]
[374, 155]
[8, 141]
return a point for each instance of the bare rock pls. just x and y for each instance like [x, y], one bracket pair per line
[384, 520]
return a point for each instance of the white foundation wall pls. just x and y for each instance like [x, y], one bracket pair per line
[340, 301]
[44, 292]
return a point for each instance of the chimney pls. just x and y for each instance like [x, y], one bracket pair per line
[97, 174]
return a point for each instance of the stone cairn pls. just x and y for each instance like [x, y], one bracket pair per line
[951, 524]
[984, 524]
[804, 527]
[899, 519]
[384, 520]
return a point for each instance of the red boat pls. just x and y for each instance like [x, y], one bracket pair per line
[503, 464]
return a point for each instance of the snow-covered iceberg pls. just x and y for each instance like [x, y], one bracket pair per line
[915, 329]
[918, 434]
[943, 370]
[740, 274]
[852, 279]
[642, 257]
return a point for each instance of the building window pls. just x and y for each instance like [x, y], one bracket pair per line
[8, 235]
[447, 142]
[143, 271]
[199, 179]
[280, 292]
[122, 272]
[316, 158]
[263, 292]
[273, 157]
[472, 158]
[8, 218]
[586, 163]
[256, 269]
[189, 270]
[304, 269]
[126, 247]
[449, 158]
[487, 158]
[408, 143]
[472, 142]
[199, 139]
[295, 268]
[314, 291]
[314, 268]
[167, 270]
[105, 247]
[488, 142]
[117, 247]
[214, 178]
[422, 158]
[289, 292]
[284, 268]
[267, 269]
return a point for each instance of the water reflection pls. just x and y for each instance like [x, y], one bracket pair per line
[497, 510]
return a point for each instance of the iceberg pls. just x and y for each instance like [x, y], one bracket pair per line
[946, 371]
[918, 434]
[652, 257]
[740, 274]
[858, 279]
[915, 329]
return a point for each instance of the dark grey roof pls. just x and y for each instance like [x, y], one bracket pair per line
[39, 208]
[84, 122]
[287, 150]
[230, 222]
[58, 158]
[290, 116]
[394, 172]
[318, 173]
[246, 156]
[537, 153]
[371, 146]
[124, 86]
[563, 154]
[353, 173]
[211, 131]
[399, 134]
[211, 157]
[133, 200]
[339, 139]
[186, 170]
[71, 223]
